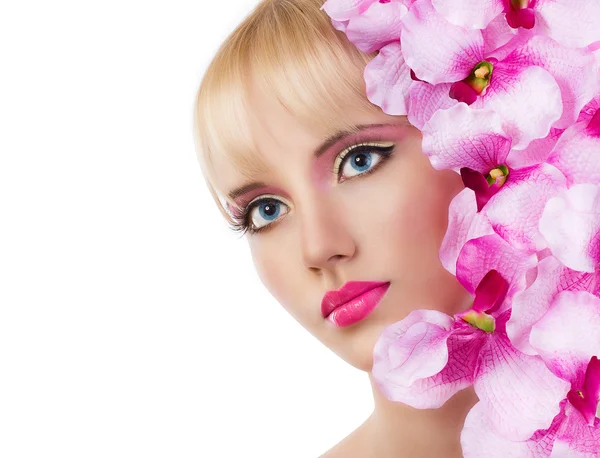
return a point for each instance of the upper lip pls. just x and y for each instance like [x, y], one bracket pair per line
[348, 291]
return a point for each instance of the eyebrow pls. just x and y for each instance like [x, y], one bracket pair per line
[321, 149]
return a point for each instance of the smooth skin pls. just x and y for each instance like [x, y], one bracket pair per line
[382, 226]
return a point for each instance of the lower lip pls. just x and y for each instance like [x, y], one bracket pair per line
[358, 308]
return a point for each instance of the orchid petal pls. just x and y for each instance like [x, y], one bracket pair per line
[422, 362]
[577, 439]
[478, 440]
[537, 151]
[438, 51]
[497, 34]
[476, 14]
[575, 72]
[577, 154]
[465, 223]
[342, 10]
[463, 137]
[378, 26]
[529, 306]
[529, 102]
[560, 16]
[426, 99]
[515, 211]
[388, 81]
[590, 109]
[517, 390]
[558, 336]
[570, 223]
[483, 254]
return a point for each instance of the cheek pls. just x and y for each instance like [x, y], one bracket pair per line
[273, 261]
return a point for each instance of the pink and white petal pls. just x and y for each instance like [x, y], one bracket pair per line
[560, 17]
[426, 99]
[388, 80]
[483, 254]
[380, 25]
[590, 109]
[577, 154]
[537, 151]
[576, 439]
[438, 51]
[568, 335]
[474, 14]
[570, 223]
[464, 223]
[342, 10]
[515, 211]
[339, 25]
[529, 306]
[432, 392]
[517, 390]
[420, 336]
[420, 362]
[497, 34]
[575, 71]
[529, 102]
[478, 440]
[464, 137]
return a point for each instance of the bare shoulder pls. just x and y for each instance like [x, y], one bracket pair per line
[355, 445]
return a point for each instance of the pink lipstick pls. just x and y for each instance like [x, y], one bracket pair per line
[352, 302]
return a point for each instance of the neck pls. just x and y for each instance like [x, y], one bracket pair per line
[398, 430]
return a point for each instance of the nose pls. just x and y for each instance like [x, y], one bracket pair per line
[326, 238]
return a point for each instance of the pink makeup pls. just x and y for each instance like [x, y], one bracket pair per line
[353, 302]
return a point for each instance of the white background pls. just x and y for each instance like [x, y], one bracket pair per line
[132, 322]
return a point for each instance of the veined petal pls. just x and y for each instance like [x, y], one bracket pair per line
[529, 101]
[517, 390]
[537, 151]
[438, 51]
[570, 223]
[483, 254]
[476, 14]
[426, 99]
[575, 71]
[576, 439]
[463, 137]
[568, 335]
[378, 26]
[464, 223]
[559, 17]
[478, 440]
[388, 80]
[577, 154]
[529, 306]
[497, 34]
[590, 109]
[422, 362]
[342, 10]
[515, 211]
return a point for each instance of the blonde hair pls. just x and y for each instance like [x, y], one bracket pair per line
[290, 49]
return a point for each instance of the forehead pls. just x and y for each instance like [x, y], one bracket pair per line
[282, 135]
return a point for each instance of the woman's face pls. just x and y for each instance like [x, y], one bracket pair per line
[381, 218]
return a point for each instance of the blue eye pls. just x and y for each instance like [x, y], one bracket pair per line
[264, 210]
[362, 160]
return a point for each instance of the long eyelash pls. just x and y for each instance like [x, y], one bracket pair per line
[385, 152]
[241, 223]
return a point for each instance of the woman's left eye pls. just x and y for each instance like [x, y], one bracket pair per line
[362, 160]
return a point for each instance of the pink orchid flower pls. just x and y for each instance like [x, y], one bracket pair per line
[426, 358]
[507, 189]
[554, 18]
[369, 24]
[572, 357]
[532, 83]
